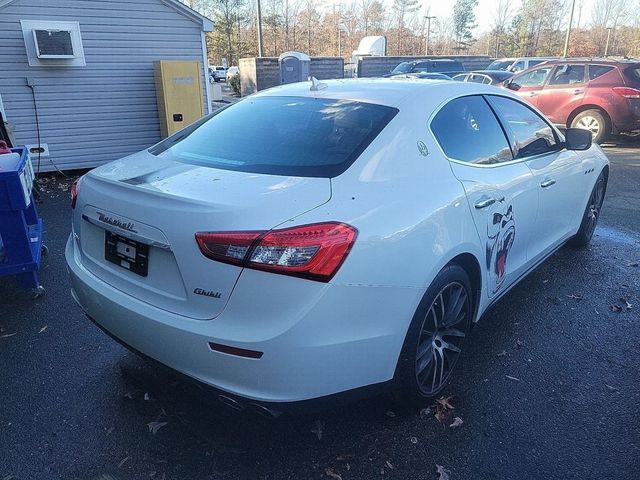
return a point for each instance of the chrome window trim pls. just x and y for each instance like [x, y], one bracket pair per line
[491, 165]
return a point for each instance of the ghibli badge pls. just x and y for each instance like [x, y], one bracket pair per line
[207, 293]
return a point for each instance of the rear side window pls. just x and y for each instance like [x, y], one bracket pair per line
[467, 130]
[596, 71]
[567, 75]
[532, 134]
[293, 136]
[534, 78]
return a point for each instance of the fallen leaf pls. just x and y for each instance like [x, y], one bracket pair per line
[43, 329]
[574, 296]
[457, 422]
[612, 389]
[443, 472]
[390, 414]
[445, 402]
[502, 353]
[6, 335]
[330, 473]
[545, 281]
[616, 308]
[512, 378]
[147, 397]
[389, 465]
[519, 343]
[319, 429]
[129, 395]
[414, 440]
[155, 426]
[425, 412]
[123, 461]
[627, 305]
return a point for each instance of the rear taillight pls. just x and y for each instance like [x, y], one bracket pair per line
[313, 251]
[627, 92]
[74, 193]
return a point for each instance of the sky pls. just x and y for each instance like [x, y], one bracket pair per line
[486, 8]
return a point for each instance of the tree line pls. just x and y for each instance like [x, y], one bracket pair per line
[525, 28]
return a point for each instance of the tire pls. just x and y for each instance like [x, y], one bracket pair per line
[591, 213]
[595, 121]
[428, 346]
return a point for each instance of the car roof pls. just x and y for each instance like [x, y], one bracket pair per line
[609, 61]
[383, 91]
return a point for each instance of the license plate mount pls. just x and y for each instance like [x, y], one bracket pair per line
[126, 253]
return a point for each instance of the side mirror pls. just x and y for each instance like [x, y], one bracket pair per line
[510, 85]
[577, 139]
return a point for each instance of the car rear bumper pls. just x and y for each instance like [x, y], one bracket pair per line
[315, 343]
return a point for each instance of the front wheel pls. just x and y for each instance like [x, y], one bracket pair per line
[595, 122]
[435, 337]
[591, 213]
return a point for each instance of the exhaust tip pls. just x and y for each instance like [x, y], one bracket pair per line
[230, 402]
[265, 411]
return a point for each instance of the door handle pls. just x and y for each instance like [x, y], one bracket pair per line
[533, 94]
[547, 183]
[484, 203]
[577, 91]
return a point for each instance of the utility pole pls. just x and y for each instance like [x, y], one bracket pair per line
[606, 47]
[426, 45]
[566, 39]
[259, 30]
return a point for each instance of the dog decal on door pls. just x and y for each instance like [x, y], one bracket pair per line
[501, 232]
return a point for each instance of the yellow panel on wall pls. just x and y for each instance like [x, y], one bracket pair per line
[180, 94]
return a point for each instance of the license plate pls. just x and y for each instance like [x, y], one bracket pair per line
[127, 253]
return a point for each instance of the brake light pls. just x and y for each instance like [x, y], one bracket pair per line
[74, 193]
[627, 92]
[313, 251]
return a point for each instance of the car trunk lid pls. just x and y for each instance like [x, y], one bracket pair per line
[147, 209]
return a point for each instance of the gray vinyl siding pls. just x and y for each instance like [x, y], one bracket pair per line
[107, 109]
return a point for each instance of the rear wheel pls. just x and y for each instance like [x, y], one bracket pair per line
[594, 121]
[435, 337]
[591, 213]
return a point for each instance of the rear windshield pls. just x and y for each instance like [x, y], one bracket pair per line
[500, 65]
[293, 136]
[633, 73]
[404, 67]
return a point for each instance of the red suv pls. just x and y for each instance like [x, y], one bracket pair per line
[599, 95]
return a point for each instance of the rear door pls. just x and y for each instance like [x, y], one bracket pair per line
[563, 92]
[501, 193]
[529, 84]
[558, 173]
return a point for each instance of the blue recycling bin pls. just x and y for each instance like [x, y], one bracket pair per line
[21, 230]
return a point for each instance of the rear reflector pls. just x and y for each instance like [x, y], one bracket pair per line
[627, 92]
[74, 193]
[313, 251]
[240, 352]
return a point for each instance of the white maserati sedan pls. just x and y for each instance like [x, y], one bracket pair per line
[327, 240]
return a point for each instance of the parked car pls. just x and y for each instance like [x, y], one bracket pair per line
[232, 72]
[446, 66]
[516, 65]
[219, 73]
[602, 96]
[488, 77]
[278, 251]
[423, 75]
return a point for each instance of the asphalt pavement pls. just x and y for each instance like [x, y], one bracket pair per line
[548, 387]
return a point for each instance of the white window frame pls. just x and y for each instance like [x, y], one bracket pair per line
[28, 27]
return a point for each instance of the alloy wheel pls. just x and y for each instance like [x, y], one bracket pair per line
[595, 204]
[441, 337]
[589, 123]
